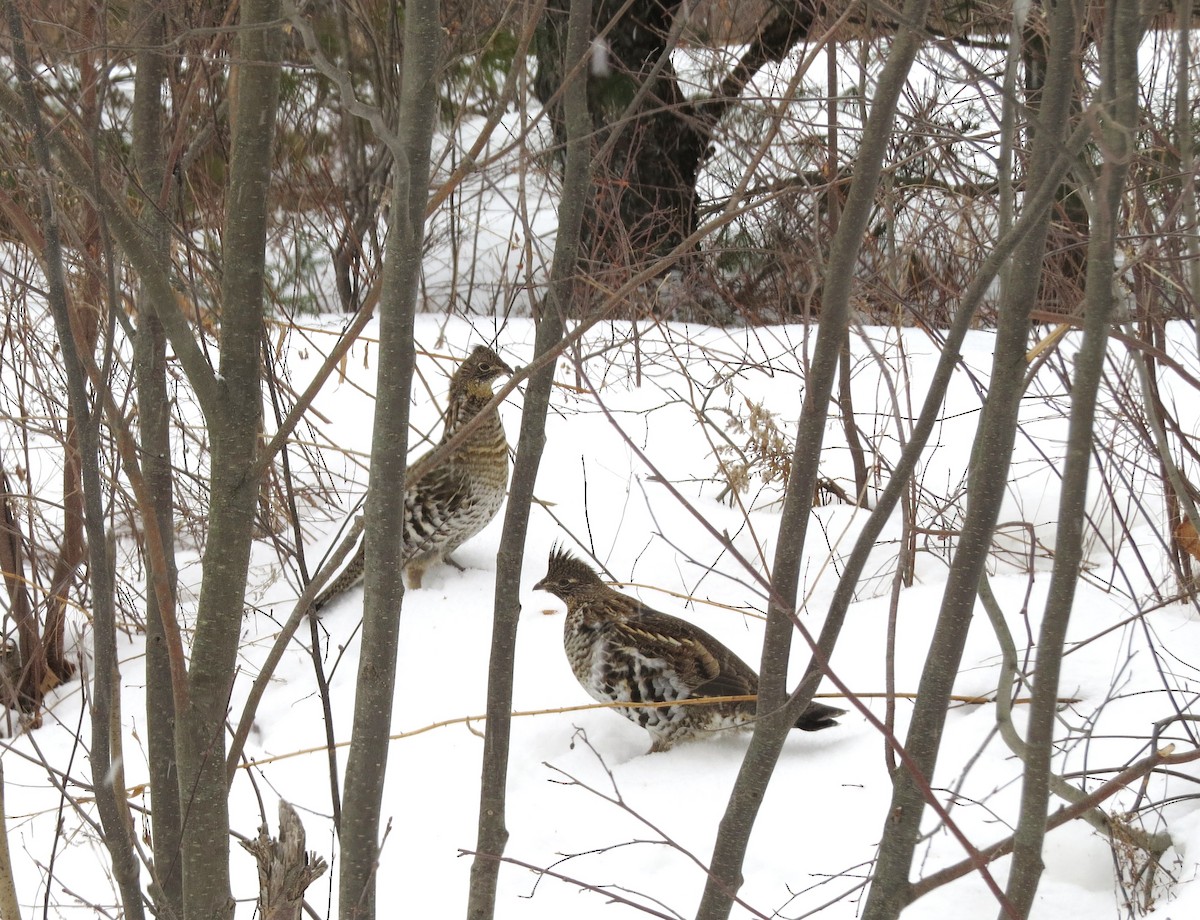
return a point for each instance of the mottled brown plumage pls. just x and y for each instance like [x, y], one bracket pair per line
[623, 651]
[449, 501]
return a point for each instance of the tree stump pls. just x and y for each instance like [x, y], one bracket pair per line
[285, 869]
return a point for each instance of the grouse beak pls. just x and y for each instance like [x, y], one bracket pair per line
[544, 586]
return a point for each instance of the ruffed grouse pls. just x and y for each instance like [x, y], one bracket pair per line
[622, 651]
[450, 501]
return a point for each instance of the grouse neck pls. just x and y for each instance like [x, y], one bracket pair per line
[463, 412]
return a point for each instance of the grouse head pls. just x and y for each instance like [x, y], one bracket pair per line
[474, 378]
[567, 575]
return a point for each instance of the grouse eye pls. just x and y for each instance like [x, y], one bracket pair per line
[486, 368]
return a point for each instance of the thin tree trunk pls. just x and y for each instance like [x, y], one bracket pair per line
[858, 455]
[154, 429]
[366, 766]
[493, 833]
[20, 607]
[997, 427]
[233, 417]
[72, 548]
[110, 801]
[1008, 130]
[9, 908]
[1118, 95]
[772, 723]
[1186, 143]
[85, 307]
[973, 297]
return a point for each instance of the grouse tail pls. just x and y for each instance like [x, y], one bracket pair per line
[818, 716]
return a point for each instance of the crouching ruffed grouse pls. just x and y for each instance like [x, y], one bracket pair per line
[448, 502]
[622, 651]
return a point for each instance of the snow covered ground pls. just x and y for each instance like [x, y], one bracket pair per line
[584, 796]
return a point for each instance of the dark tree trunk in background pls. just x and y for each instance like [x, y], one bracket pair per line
[645, 199]
[1061, 290]
[650, 141]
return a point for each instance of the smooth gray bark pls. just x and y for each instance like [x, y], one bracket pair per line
[890, 889]
[233, 423]
[1118, 96]
[9, 908]
[774, 717]
[366, 766]
[492, 828]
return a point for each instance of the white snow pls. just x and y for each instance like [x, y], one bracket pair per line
[585, 799]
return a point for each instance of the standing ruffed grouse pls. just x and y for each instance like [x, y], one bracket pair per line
[622, 651]
[447, 503]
